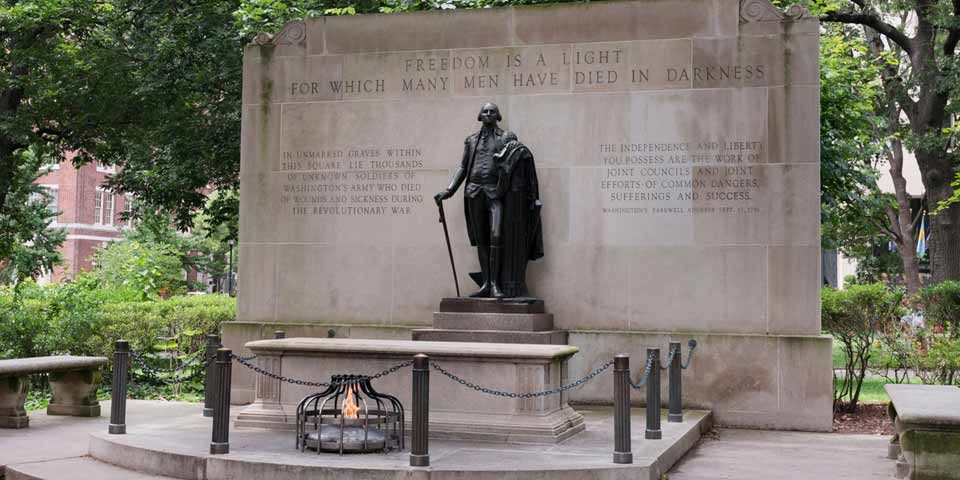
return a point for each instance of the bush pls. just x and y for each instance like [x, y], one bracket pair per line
[855, 316]
[941, 306]
[80, 318]
[931, 350]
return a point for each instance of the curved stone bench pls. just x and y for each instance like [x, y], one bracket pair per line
[73, 382]
[926, 422]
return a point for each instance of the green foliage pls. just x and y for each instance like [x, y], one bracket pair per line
[81, 318]
[152, 269]
[941, 305]
[855, 316]
[28, 241]
[852, 207]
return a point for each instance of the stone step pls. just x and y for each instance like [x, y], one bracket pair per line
[515, 322]
[76, 468]
[549, 337]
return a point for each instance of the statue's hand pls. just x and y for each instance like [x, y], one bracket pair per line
[442, 196]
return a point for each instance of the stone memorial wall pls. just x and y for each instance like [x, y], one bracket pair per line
[677, 148]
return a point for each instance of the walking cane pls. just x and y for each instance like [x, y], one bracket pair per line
[446, 235]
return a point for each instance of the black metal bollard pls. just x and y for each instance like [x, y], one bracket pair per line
[209, 387]
[221, 411]
[118, 391]
[622, 452]
[675, 404]
[279, 334]
[653, 396]
[420, 447]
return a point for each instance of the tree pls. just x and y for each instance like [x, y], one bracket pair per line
[917, 41]
[47, 102]
[28, 242]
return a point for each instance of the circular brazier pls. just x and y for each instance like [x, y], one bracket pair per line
[355, 439]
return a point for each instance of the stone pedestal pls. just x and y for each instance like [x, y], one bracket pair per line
[74, 393]
[13, 392]
[489, 320]
[456, 412]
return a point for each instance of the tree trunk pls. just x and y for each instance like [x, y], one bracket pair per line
[901, 221]
[943, 236]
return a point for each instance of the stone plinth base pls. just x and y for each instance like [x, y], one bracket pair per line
[492, 321]
[456, 412]
[551, 337]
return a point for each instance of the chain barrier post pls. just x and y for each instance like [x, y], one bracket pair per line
[653, 395]
[279, 334]
[622, 452]
[220, 443]
[209, 387]
[419, 448]
[118, 391]
[675, 414]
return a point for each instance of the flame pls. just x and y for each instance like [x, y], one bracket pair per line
[350, 407]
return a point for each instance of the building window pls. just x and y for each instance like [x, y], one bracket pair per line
[127, 210]
[52, 196]
[106, 168]
[103, 208]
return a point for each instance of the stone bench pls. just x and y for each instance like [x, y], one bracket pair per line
[926, 422]
[73, 382]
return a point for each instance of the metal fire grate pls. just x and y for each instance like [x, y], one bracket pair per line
[350, 416]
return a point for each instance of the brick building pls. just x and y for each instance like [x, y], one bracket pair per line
[90, 214]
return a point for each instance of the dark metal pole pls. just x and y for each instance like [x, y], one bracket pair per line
[622, 452]
[675, 414]
[419, 448]
[279, 334]
[446, 235]
[209, 385]
[653, 396]
[220, 442]
[118, 391]
[230, 269]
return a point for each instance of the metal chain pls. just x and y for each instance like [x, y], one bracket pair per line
[544, 393]
[645, 376]
[245, 359]
[183, 366]
[693, 346]
[391, 370]
[294, 381]
[666, 366]
[156, 375]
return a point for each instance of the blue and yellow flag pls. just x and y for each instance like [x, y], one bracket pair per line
[922, 238]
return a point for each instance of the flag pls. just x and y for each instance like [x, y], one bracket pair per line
[922, 238]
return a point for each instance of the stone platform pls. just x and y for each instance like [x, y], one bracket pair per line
[514, 320]
[456, 412]
[178, 449]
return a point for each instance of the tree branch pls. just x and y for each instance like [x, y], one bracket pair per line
[874, 22]
[950, 45]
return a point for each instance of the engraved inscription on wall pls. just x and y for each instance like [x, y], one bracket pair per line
[681, 178]
[614, 66]
[352, 181]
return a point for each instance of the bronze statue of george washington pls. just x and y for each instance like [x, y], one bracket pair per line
[502, 206]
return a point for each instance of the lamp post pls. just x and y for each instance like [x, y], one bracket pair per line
[230, 269]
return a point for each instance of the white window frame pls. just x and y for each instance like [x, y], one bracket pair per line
[127, 204]
[104, 207]
[106, 168]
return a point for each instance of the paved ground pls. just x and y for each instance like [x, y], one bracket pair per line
[732, 454]
[758, 454]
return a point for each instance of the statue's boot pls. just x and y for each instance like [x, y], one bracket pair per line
[496, 255]
[484, 256]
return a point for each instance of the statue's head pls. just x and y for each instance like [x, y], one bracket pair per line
[489, 114]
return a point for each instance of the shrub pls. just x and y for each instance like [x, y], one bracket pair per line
[855, 316]
[81, 318]
[941, 305]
